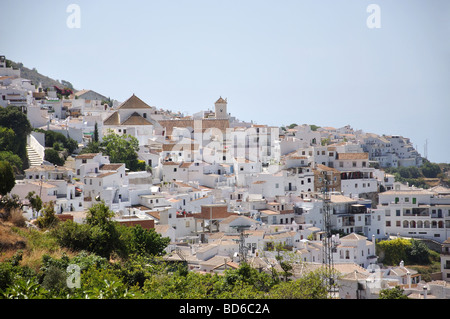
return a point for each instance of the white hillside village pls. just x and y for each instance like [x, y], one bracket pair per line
[227, 191]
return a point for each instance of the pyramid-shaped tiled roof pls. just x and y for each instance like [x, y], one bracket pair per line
[134, 103]
[136, 119]
[113, 119]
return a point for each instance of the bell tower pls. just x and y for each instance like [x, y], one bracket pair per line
[221, 108]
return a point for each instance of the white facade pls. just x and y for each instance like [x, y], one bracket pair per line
[416, 213]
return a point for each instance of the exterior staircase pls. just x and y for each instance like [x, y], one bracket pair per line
[33, 157]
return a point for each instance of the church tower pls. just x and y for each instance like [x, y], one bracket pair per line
[221, 108]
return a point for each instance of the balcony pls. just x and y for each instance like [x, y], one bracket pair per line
[290, 188]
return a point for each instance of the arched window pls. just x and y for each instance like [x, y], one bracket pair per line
[412, 224]
[440, 224]
[405, 224]
[426, 224]
[420, 224]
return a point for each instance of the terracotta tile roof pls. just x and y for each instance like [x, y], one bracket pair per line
[352, 156]
[86, 156]
[221, 124]
[407, 192]
[186, 164]
[322, 167]
[134, 103]
[111, 167]
[171, 163]
[179, 146]
[136, 119]
[353, 236]
[221, 100]
[113, 119]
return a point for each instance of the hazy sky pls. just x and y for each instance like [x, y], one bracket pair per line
[277, 62]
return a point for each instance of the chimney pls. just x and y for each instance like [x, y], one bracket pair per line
[425, 292]
[408, 279]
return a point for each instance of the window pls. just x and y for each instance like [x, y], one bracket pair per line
[363, 164]
[388, 223]
[175, 169]
[341, 164]
[277, 185]
[396, 200]
[354, 164]
[414, 200]
[406, 199]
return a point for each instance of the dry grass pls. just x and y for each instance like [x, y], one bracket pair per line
[9, 240]
[33, 243]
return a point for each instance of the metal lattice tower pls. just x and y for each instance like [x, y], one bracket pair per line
[328, 245]
[242, 248]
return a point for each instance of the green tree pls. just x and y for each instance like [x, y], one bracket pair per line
[95, 137]
[7, 178]
[35, 201]
[13, 159]
[394, 250]
[142, 241]
[430, 170]
[121, 149]
[104, 233]
[418, 253]
[393, 293]
[48, 218]
[12, 117]
[91, 147]
[7, 137]
[309, 286]
[53, 157]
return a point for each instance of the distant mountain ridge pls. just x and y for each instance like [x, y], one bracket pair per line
[35, 77]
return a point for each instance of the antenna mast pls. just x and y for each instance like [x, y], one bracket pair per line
[328, 245]
[241, 240]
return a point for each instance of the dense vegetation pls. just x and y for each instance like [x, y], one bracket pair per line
[116, 261]
[414, 253]
[419, 176]
[14, 129]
